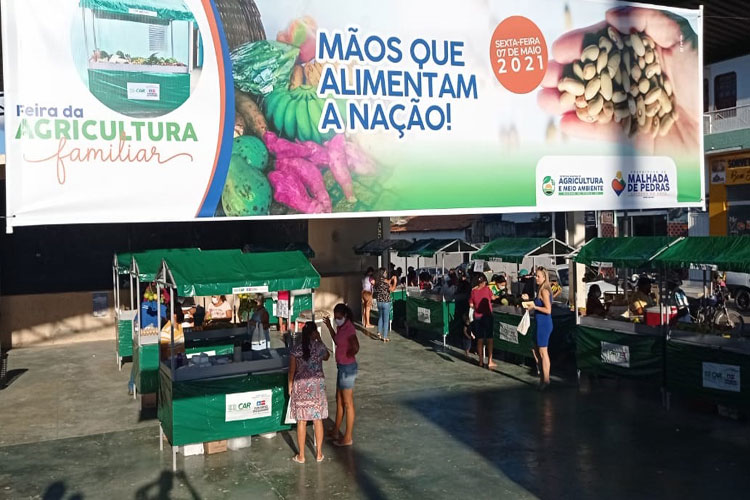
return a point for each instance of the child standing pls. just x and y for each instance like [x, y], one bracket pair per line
[468, 334]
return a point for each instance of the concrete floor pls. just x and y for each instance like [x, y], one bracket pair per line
[429, 425]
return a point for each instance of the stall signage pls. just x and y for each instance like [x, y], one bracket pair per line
[479, 266]
[596, 263]
[248, 405]
[250, 289]
[282, 309]
[738, 175]
[508, 333]
[616, 354]
[192, 355]
[423, 315]
[143, 12]
[342, 114]
[143, 91]
[722, 377]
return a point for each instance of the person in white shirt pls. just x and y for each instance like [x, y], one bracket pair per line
[219, 309]
[367, 283]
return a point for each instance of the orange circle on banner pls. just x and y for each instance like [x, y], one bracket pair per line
[518, 53]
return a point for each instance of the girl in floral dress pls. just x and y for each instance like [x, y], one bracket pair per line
[307, 388]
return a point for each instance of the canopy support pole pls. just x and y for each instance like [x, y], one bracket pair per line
[171, 330]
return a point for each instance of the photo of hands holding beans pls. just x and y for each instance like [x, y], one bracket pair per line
[630, 78]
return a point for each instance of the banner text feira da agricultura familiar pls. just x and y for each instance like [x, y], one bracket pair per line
[44, 123]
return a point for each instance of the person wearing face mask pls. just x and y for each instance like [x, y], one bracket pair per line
[219, 309]
[259, 325]
[347, 347]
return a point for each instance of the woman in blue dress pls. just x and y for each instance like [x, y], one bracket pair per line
[542, 306]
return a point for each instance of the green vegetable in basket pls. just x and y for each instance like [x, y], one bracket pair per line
[246, 190]
[260, 67]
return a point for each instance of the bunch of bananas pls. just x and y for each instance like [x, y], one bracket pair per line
[295, 113]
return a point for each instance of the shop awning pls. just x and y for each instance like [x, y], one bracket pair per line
[377, 247]
[281, 247]
[634, 252]
[215, 272]
[516, 249]
[145, 264]
[428, 248]
[175, 10]
[728, 253]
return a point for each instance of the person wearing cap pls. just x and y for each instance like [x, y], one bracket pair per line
[678, 298]
[641, 299]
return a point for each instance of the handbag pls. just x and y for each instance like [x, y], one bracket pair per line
[523, 326]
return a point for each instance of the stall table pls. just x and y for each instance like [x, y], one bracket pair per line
[709, 366]
[618, 348]
[237, 400]
[429, 313]
[507, 338]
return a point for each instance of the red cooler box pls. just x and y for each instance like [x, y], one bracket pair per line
[652, 315]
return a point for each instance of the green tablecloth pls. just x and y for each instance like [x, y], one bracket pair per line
[713, 369]
[429, 315]
[196, 411]
[124, 337]
[146, 368]
[507, 337]
[608, 352]
[111, 88]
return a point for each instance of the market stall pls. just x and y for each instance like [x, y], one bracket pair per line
[227, 396]
[377, 248]
[427, 311]
[140, 54]
[619, 343]
[700, 360]
[145, 334]
[506, 317]
[124, 318]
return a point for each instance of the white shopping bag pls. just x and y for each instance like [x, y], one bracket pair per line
[523, 326]
[288, 420]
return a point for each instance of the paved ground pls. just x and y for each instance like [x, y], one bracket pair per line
[429, 425]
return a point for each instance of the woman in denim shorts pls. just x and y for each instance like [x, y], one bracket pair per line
[347, 346]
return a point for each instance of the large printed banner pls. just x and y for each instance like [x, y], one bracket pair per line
[172, 110]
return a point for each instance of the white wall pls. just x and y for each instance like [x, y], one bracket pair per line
[741, 66]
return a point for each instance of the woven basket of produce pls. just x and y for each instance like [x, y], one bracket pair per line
[241, 20]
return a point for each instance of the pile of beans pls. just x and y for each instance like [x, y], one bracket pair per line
[620, 78]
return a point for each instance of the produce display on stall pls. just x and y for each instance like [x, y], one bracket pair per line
[622, 343]
[143, 84]
[242, 393]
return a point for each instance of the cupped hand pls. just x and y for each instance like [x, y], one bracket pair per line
[679, 62]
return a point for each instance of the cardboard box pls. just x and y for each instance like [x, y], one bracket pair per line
[190, 450]
[212, 447]
[148, 400]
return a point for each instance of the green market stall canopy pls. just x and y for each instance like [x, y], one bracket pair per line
[428, 248]
[377, 247]
[634, 252]
[514, 250]
[144, 265]
[728, 253]
[163, 10]
[216, 272]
